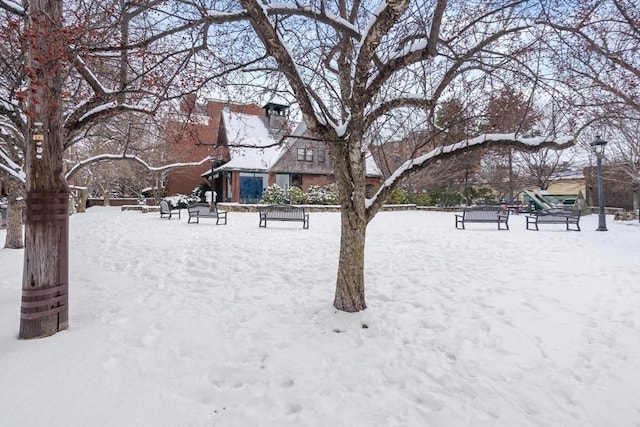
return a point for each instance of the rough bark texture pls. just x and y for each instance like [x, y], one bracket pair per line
[350, 177]
[14, 239]
[46, 228]
[350, 295]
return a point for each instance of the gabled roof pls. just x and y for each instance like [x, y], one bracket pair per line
[251, 145]
[371, 167]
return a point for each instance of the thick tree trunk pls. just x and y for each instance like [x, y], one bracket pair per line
[44, 309]
[350, 294]
[351, 182]
[14, 239]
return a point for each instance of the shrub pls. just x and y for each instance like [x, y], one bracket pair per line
[296, 195]
[419, 199]
[325, 195]
[397, 197]
[274, 195]
[445, 197]
[483, 196]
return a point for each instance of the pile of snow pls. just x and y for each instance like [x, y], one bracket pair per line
[176, 324]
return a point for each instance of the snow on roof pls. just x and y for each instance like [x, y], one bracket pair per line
[371, 167]
[251, 146]
[278, 100]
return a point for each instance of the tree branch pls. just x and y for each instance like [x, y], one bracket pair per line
[129, 157]
[448, 151]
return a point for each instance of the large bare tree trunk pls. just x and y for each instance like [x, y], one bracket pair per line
[14, 239]
[351, 181]
[83, 195]
[44, 308]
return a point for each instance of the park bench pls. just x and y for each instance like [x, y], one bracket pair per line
[204, 210]
[555, 216]
[283, 213]
[483, 214]
[166, 210]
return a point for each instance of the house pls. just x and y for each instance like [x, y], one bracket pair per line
[253, 152]
[192, 134]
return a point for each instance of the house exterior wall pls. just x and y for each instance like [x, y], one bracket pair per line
[567, 186]
[317, 150]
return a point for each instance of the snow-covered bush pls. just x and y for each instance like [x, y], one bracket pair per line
[296, 195]
[274, 195]
[181, 201]
[326, 195]
[315, 195]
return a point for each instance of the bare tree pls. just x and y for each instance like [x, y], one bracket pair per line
[350, 65]
[540, 168]
[592, 48]
[68, 70]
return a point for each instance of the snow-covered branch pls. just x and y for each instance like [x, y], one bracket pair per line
[11, 167]
[383, 19]
[13, 7]
[441, 153]
[116, 157]
[276, 47]
[322, 15]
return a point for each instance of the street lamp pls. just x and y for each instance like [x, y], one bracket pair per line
[598, 148]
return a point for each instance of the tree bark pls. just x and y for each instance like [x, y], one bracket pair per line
[351, 181]
[350, 294]
[44, 308]
[16, 203]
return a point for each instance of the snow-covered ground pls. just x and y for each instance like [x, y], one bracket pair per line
[176, 324]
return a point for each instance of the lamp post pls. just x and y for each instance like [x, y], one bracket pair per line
[598, 148]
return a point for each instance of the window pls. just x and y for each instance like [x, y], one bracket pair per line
[369, 191]
[305, 154]
[321, 156]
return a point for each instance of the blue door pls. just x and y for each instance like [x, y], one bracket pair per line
[250, 189]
